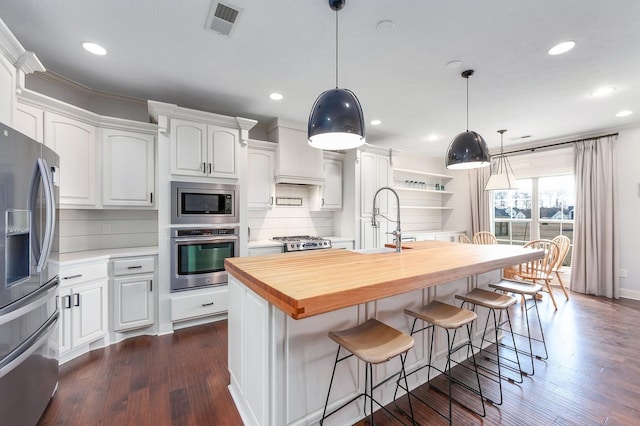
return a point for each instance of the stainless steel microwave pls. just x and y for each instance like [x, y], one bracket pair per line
[195, 203]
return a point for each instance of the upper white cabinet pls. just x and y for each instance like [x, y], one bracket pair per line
[75, 142]
[200, 149]
[328, 196]
[260, 179]
[30, 121]
[7, 90]
[128, 168]
[375, 172]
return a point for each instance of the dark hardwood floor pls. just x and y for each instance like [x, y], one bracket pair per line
[592, 377]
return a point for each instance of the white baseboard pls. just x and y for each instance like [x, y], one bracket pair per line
[630, 294]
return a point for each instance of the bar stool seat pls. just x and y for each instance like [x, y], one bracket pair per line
[373, 342]
[495, 302]
[448, 317]
[526, 289]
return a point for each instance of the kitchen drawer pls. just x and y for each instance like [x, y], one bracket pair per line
[138, 265]
[200, 305]
[80, 273]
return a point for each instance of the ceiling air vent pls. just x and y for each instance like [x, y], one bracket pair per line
[222, 17]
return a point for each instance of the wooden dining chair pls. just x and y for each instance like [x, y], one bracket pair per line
[540, 270]
[462, 238]
[564, 244]
[484, 237]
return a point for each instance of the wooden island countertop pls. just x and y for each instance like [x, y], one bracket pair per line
[304, 284]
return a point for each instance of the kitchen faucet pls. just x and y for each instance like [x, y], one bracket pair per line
[376, 212]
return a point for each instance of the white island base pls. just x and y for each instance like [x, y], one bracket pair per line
[280, 367]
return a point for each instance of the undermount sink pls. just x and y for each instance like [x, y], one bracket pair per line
[376, 250]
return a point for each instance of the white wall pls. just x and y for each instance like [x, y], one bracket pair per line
[627, 154]
[81, 230]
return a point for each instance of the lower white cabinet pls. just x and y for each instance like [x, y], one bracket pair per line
[83, 306]
[260, 251]
[199, 303]
[132, 292]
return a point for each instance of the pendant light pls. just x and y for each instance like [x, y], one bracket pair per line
[336, 120]
[502, 177]
[468, 150]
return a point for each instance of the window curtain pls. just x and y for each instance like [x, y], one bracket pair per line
[480, 200]
[595, 262]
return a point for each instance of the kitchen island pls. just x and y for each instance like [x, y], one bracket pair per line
[282, 306]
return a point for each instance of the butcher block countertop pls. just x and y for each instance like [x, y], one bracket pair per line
[304, 284]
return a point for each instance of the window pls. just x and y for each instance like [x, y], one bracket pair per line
[516, 221]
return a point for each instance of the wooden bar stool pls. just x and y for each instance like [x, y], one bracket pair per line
[374, 343]
[524, 290]
[450, 318]
[495, 302]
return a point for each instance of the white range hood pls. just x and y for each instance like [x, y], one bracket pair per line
[296, 161]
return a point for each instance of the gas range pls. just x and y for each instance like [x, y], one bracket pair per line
[303, 242]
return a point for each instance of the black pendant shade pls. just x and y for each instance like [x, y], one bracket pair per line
[336, 121]
[468, 150]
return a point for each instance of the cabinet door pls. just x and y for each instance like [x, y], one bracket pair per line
[7, 89]
[133, 302]
[128, 168]
[75, 143]
[64, 320]
[222, 146]
[188, 148]
[332, 188]
[30, 121]
[374, 174]
[260, 183]
[371, 237]
[89, 312]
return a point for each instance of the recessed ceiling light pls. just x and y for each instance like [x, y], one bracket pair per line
[624, 113]
[451, 65]
[375, 122]
[561, 48]
[385, 25]
[276, 96]
[603, 91]
[94, 48]
[433, 137]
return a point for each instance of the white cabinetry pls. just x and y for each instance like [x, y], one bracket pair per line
[328, 196]
[132, 292]
[83, 306]
[200, 149]
[375, 172]
[342, 244]
[30, 121]
[7, 89]
[199, 303]
[75, 142]
[260, 251]
[128, 168]
[260, 178]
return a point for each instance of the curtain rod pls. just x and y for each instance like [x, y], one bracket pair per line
[535, 148]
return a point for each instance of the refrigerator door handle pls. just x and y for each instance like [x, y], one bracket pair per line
[28, 347]
[41, 174]
[16, 309]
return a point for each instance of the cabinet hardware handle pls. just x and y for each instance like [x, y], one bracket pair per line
[207, 304]
[209, 167]
[150, 285]
[151, 197]
[72, 277]
[271, 200]
[135, 267]
[76, 299]
[323, 202]
[204, 167]
[66, 302]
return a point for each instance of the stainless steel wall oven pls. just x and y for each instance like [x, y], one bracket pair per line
[198, 254]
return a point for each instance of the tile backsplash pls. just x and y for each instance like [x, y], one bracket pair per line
[290, 220]
[81, 230]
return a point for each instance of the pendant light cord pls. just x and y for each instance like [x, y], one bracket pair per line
[336, 48]
[467, 104]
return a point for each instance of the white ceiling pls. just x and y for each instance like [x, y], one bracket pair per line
[160, 50]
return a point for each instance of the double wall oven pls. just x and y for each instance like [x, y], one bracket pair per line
[205, 218]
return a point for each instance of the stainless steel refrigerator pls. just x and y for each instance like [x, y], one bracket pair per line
[28, 279]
